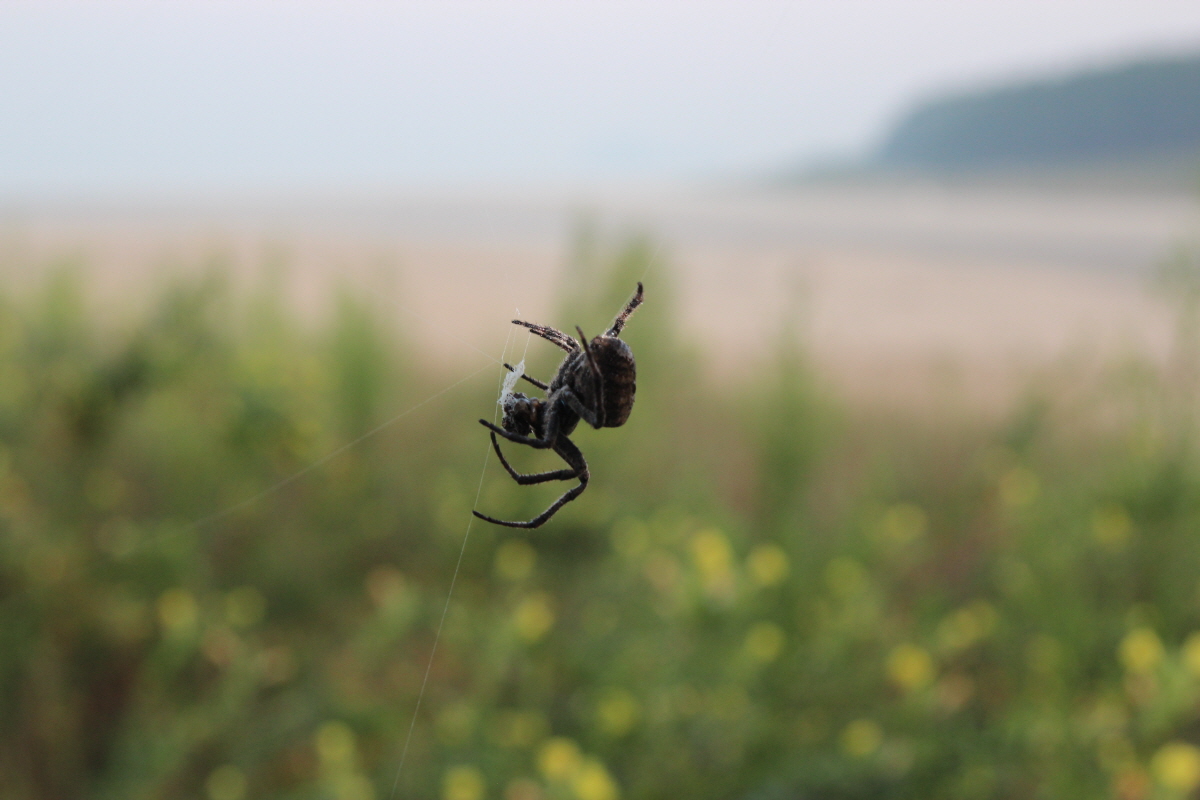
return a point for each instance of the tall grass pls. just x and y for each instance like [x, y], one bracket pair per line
[763, 594]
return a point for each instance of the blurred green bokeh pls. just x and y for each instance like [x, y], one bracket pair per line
[763, 594]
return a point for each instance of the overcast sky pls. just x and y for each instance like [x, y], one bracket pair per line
[252, 95]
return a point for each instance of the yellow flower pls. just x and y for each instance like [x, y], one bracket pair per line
[335, 744]
[966, 626]
[618, 712]
[903, 523]
[861, 738]
[1191, 654]
[764, 641]
[592, 782]
[559, 758]
[910, 667]
[714, 560]
[177, 610]
[1141, 651]
[463, 782]
[534, 617]
[1176, 766]
[768, 564]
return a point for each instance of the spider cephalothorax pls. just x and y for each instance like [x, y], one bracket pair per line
[596, 382]
[522, 415]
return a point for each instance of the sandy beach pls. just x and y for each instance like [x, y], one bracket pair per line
[898, 292]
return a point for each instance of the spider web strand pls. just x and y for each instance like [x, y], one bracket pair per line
[450, 592]
[328, 456]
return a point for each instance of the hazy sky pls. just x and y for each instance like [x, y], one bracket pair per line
[172, 95]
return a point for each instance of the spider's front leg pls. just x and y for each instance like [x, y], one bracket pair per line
[537, 444]
[534, 381]
[552, 335]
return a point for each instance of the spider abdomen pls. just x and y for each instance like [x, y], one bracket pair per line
[619, 371]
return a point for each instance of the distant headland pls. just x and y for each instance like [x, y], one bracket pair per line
[1139, 120]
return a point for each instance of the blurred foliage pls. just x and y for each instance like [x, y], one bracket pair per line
[762, 595]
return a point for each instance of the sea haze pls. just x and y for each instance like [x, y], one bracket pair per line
[190, 96]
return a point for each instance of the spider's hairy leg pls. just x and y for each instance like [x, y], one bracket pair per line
[619, 323]
[537, 444]
[599, 384]
[569, 453]
[534, 381]
[552, 335]
[538, 477]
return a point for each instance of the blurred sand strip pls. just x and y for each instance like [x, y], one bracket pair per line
[901, 294]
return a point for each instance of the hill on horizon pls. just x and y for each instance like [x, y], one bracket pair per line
[1142, 112]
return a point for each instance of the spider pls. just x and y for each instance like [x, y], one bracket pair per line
[595, 382]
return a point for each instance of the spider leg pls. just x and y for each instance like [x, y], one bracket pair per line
[599, 383]
[552, 335]
[587, 351]
[619, 323]
[586, 414]
[534, 381]
[537, 444]
[570, 453]
[539, 477]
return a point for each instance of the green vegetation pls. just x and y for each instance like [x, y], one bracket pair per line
[1143, 112]
[762, 595]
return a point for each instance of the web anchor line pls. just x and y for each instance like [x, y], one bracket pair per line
[325, 459]
[505, 382]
